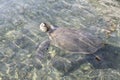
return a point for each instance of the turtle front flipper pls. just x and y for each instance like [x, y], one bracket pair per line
[42, 49]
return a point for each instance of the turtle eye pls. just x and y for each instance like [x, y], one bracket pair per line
[43, 27]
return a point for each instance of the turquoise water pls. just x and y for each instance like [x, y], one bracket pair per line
[20, 37]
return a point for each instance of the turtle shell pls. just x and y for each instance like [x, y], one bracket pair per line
[75, 41]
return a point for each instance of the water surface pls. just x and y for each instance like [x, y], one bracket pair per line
[20, 36]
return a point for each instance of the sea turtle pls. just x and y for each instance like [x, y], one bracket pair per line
[70, 40]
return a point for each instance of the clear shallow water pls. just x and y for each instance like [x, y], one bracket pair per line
[19, 36]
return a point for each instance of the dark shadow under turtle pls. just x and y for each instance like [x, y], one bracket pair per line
[110, 59]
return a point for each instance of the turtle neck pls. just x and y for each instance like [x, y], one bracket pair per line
[51, 29]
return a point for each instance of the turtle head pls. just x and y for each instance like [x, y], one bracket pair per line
[44, 27]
